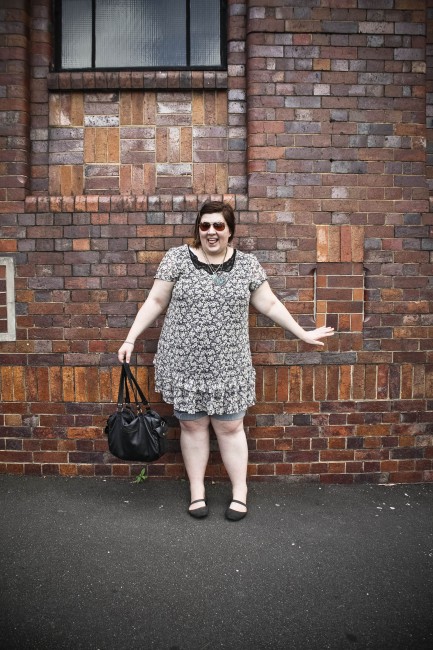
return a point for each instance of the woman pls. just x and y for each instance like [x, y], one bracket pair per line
[203, 362]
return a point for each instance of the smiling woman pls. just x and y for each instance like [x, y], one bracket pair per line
[212, 237]
[203, 363]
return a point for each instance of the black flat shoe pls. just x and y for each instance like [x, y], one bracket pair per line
[235, 515]
[199, 513]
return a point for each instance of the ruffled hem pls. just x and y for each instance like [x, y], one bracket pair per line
[189, 397]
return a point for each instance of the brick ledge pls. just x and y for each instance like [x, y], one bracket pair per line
[129, 203]
[138, 80]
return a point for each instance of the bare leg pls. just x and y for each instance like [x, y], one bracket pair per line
[194, 443]
[233, 447]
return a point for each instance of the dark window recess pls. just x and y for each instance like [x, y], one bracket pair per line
[152, 34]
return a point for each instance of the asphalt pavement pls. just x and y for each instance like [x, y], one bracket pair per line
[107, 564]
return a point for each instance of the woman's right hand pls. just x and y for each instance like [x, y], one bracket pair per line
[124, 353]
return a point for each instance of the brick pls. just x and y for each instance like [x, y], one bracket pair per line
[322, 235]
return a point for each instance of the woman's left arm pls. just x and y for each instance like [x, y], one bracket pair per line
[267, 303]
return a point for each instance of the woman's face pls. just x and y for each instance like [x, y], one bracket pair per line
[214, 241]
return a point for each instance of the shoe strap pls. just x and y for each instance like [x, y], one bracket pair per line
[240, 502]
[197, 501]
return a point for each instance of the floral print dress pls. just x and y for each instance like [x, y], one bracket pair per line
[203, 360]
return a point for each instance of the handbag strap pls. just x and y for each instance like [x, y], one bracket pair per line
[127, 395]
[123, 395]
[123, 390]
[128, 376]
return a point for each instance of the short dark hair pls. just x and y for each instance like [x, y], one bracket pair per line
[211, 207]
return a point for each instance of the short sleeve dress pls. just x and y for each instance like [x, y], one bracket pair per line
[203, 359]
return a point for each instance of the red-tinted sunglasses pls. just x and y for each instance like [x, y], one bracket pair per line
[218, 225]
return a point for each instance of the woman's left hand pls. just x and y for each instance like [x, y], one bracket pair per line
[312, 337]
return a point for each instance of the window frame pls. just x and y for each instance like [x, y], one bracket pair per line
[11, 333]
[57, 61]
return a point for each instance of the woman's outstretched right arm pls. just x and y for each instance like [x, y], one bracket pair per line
[157, 301]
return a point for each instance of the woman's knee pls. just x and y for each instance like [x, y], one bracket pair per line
[227, 427]
[195, 427]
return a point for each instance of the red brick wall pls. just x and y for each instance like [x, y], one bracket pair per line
[320, 136]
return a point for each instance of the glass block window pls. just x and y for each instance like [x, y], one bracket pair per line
[152, 34]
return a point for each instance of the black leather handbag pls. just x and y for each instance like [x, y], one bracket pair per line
[135, 432]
